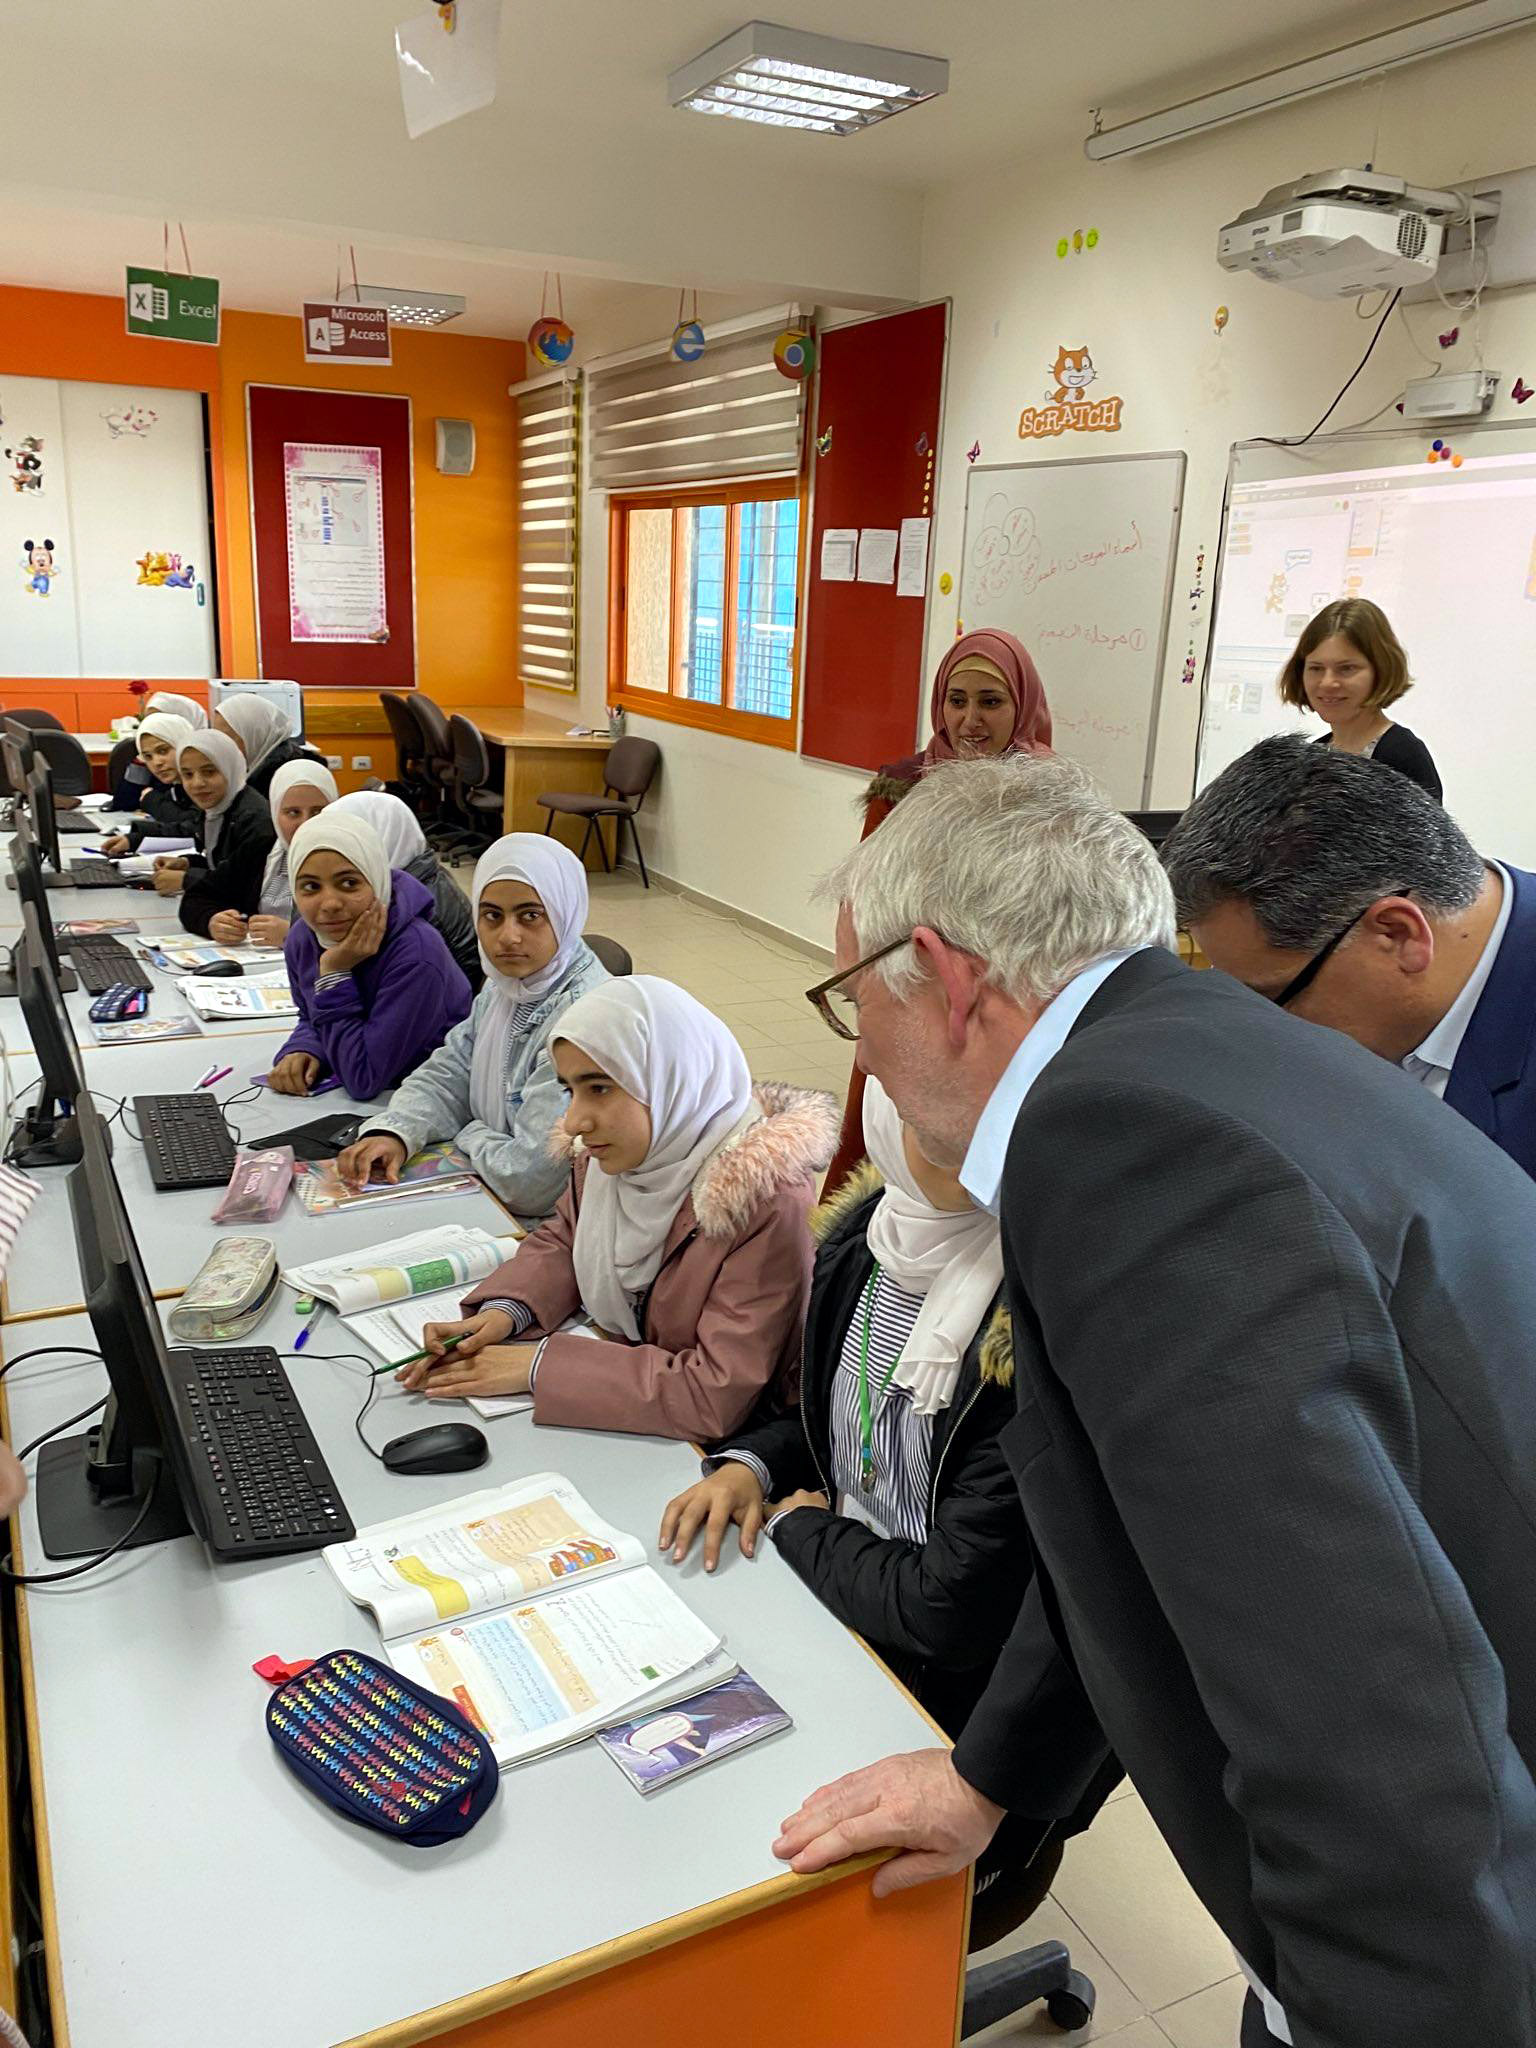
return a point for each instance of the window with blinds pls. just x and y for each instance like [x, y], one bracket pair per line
[656, 423]
[548, 478]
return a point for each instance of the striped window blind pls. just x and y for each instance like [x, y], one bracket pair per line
[548, 479]
[656, 423]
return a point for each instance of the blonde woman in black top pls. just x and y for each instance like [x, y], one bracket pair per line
[1348, 667]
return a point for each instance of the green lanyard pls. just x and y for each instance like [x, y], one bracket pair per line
[866, 1408]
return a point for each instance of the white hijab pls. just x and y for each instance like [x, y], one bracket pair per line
[395, 822]
[163, 725]
[353, 838]
[221, 750]
[661, 1045]
[276, 896]
[260, 724]
[953, 1260]
[561, 882]
[179, 707]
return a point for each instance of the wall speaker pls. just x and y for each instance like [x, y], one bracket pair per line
[455, 447]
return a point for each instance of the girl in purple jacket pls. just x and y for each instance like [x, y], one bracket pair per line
[376, 985]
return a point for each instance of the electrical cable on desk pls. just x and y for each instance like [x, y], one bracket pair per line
[251, 1093]
[59, 1428]
[76, 1571]
[374, 1375]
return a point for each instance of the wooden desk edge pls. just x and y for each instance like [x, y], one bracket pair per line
[608, 1955]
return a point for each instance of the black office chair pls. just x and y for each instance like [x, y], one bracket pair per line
[475, 796]
[627, 774]
[437, 743]
[994, 1991]
[614, 957]
[68, 762]
[410, 783]
[119, 761]
[34, 718]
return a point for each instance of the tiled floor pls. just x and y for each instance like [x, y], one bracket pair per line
[1163, 1973]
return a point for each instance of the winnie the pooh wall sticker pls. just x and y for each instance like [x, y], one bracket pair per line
[1067, 408]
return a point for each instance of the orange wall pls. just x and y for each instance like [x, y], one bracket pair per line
[466, 585]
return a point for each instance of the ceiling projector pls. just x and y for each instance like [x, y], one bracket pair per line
[1336, 234]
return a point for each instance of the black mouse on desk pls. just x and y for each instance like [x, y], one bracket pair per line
[219, 968]
[441, 1447]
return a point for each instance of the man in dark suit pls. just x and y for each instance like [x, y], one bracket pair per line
[1350, 897]
[1275, 1339]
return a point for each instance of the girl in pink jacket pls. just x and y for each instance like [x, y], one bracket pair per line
[681, 1239]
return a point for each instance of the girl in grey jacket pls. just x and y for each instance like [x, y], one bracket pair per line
[491, 1086]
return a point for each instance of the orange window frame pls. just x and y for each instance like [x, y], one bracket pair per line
[668, 704]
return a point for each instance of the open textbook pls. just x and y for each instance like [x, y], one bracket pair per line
[536, 1618]
[452, 1257]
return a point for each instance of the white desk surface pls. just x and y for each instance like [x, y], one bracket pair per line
[203, 1894]
[174, 1229]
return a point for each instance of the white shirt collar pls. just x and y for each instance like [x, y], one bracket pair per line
[1439, 1049]
[982, 1174]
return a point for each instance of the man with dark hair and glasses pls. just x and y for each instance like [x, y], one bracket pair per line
[1349, 897]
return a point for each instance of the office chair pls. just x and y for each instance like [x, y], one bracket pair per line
[119, 761]
[410, 747]
[437, 743]
[68, 762]
[34, 718]
[615, 958]
[628, 772]
[475, 796]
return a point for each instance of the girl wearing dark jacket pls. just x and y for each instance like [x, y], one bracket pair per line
[885, 1487]
[377, 988]
[234, 833]
[260, 729]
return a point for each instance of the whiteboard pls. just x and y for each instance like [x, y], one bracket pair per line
[1450, 556]
[1075, 558]
[124, 480]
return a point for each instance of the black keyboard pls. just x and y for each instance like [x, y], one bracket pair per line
[262, 1485]
[102, 963]
[93, 874]
[186, 1140]
[82, 822]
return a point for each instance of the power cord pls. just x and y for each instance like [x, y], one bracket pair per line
[374, 1372]
[76, 1571]
[1300, 440]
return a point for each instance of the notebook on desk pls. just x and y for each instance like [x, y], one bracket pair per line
[522, 1605]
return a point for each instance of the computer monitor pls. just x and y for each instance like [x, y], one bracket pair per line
[91, 1488]
[48, 1134]
[16, 755]
[45, 819]
[27, 868]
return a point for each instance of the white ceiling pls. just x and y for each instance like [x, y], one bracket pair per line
[270, 126]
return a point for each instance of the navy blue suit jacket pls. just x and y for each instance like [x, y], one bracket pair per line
[1493, 1083]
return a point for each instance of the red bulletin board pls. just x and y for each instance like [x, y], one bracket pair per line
[278, 413]
[881, 385]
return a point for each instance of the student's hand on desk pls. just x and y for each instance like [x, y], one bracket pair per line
[116, 846]
[475, 1334]
[377, 1153]
[497, 1369]
[802, 1499]
[728, 1495]
[168, 880]
[266, 930]
[360, 944]
[918, 1802]
[170, 863]
[294, 1074]
[227, 928]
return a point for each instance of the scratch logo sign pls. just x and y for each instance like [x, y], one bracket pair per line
[1067, 408]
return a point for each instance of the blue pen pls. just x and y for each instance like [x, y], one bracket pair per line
[304, 1335]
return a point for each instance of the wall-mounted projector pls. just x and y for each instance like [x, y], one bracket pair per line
[1336, 234]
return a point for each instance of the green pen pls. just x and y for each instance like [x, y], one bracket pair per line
[415, 1358]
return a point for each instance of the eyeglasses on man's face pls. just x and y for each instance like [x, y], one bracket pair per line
[835, 1003]
[1304, 980]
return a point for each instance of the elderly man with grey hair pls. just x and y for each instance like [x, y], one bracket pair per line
[1349, 897]
[1273, 1318]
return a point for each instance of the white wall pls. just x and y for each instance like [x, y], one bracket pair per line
[753, 826]
[1144, 302]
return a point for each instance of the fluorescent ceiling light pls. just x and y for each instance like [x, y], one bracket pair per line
[406, 309]
[789, 78]
[1430, 36]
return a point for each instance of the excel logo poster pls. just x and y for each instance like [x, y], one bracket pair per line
[167, 305]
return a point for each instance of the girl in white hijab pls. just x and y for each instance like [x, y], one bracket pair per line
[181, 707]
[406, 845]
[492, 1087]
[234, 835]
[168, 813]
[681, 1238]
[299, 791]
[256, 722]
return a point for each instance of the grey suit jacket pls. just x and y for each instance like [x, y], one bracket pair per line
[1275, 1340]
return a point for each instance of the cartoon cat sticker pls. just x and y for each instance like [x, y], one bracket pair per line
[1073, 371]
[1067, 408]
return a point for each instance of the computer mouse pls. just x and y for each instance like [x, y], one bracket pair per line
[219, 968]
[441, 1447]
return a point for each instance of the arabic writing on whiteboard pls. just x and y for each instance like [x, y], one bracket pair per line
[1094, 635]
[1006, 552]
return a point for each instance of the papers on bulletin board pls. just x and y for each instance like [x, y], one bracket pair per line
[839, 553]
[912, 559]
[335, 505]
[877, 554]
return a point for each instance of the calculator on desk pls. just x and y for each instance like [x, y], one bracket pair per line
[120, 1001]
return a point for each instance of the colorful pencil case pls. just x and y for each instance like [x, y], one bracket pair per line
[387, 1754]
